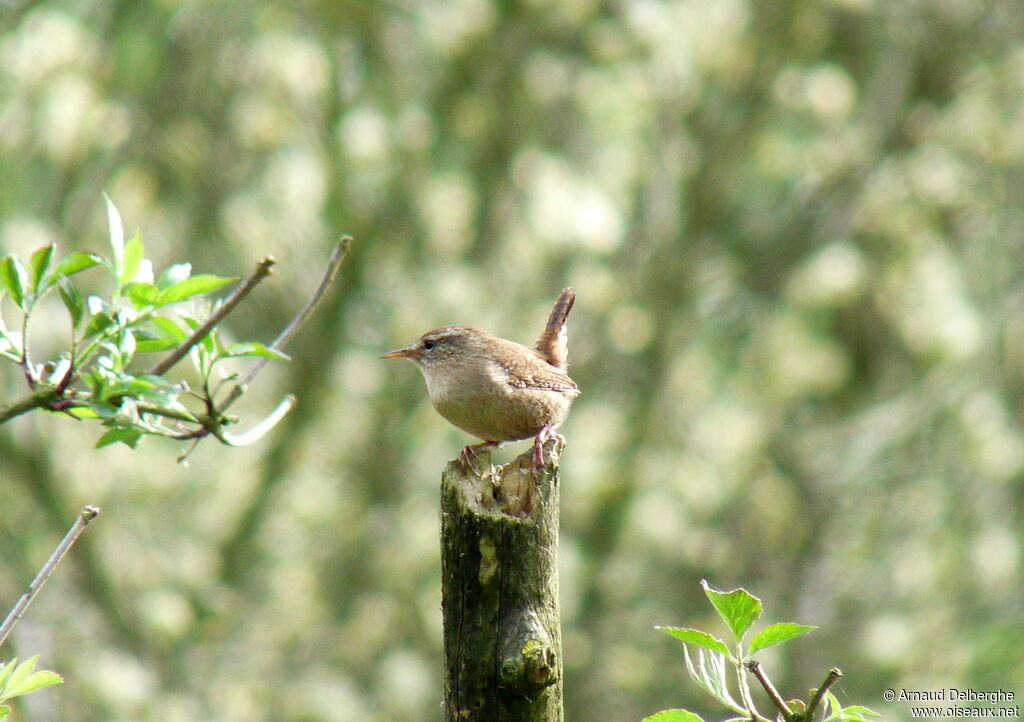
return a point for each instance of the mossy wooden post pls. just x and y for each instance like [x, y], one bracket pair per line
[499, 590]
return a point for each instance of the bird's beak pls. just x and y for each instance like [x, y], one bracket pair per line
[399, 353]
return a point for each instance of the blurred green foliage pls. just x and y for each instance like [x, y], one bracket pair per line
[795, 229]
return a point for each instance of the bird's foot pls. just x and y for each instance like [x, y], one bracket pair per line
[538, 449]
[469, 454]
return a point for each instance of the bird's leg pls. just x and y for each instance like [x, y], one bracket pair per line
[469, 453]
[538, 449]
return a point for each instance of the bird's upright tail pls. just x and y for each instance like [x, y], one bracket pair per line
[553, 344]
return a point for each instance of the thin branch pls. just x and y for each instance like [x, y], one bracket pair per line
[833, 675]
[40, 398]
[263, 269]
[88, 514]
[341, 249]
[755, 667]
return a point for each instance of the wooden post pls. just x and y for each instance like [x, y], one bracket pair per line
[499, 590]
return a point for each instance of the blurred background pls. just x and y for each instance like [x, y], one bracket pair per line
[795, 228]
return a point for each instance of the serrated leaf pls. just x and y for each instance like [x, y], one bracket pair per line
[15, 277]
[674, 715]
[255, 350]
[42, 263]
[697, 637]
[194, 286]
[777, 634]
[142, 294]
[738, 608]
[72, 300]
[76, 262]
[116, 238]
[34, 682]
[126, 434]
[710, 674]
[173, 274]
[134, 250]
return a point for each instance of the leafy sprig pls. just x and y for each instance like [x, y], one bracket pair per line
[101, 374]
[713, 661]
[17, 680]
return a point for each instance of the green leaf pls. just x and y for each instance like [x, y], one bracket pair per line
[169, 329]
[194, 286]
[857, 713]
[148, 342]
[15, 277]
[116, 238]
[697, 637]
[254, 350]
[20, 674]
[142, 294]
[158, 390]
[82, 412]
[162, 334]
[133, 254]
[126, 434]
[35, 682]
[4, 711]
[738, 608]
[42, 263]
[710, 672]
[5, 673]
[72, 300]
[98, 323]
[674, 715]
[173, 274]
[853, 713]
[76, 262]
[777, 634]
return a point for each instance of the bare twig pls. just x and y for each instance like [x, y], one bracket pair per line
[755, 667]
[263, 269]
[88, 514]
[341, 249]
[833, 675]
[212, 421]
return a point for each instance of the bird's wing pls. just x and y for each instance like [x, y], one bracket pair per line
[541, 376]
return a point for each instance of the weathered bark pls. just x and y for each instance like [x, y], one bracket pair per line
[499, 590]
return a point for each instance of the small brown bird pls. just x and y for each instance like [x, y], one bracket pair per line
[494, 389]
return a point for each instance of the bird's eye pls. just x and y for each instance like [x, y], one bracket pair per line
[429, 344]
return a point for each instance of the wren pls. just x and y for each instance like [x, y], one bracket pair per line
[498, 390]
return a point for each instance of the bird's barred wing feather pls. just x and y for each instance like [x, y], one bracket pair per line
[542, 377]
